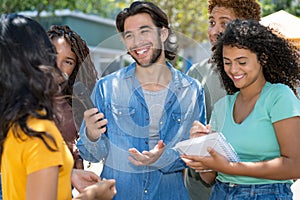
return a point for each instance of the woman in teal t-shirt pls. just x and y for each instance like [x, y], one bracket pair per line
[259, 116]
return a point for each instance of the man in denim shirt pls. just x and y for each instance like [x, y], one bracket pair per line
[148, 107]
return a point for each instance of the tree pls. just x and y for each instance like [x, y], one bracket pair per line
[189, 18]
[103, 8]
[271, 6]
[11, 6]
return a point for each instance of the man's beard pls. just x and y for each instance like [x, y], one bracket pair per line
[155, 56]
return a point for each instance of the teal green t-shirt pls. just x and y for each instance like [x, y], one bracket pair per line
[255, 139]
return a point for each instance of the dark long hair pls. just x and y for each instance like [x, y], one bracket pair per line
[27, 84]
[278, 57]
[84, 70]
[159, 18]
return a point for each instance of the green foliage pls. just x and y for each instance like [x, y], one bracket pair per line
[187, 17]
[10, 6]
[271, 6]
[103, 8]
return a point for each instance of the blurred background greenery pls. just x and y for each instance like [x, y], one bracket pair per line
[187, 17]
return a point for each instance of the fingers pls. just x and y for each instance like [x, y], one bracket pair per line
[94, 119]
[135, 162]
[95, 123]
[195, 162]
[110, 183]
[192, 158]
[144, 158]
[104, 190]
[95, 177]
[213, 152]
[198, 129]
[137, 157]
[160, 144]
[112, 186]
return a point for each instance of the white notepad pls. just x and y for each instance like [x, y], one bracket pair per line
[198, 146]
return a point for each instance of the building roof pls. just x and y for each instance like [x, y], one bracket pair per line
[98, 32]
[286, 23]
[76, 14]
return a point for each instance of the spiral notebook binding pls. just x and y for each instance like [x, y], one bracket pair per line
[228, 149]
[198, 146]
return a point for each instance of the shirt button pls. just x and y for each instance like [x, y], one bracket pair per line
[146, 191]
[160, 123]
[178, 120]
[120, 113]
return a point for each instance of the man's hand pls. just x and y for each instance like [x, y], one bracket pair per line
[146, 157]
[95, 123]
[81, 179]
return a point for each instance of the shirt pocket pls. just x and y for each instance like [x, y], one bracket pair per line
[178, 127]
[180, 118]
[124, 122]
[177, 118]
[121, 111]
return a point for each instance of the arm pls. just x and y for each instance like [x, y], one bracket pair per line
[284, 167]
[78, 161]
[42, 184]
[93, 144]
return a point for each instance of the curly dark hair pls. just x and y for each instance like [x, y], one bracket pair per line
[279, 58]
[28, 73]
[84, 70]
[159, 18]
[243, 9]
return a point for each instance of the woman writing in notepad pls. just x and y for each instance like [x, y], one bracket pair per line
[259, 116]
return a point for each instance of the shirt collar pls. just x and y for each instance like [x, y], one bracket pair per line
[177, 78]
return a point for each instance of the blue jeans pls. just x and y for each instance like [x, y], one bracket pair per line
[276, 191]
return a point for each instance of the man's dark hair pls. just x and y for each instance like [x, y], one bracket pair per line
[159, 18]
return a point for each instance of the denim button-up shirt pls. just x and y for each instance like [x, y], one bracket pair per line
[120, 97]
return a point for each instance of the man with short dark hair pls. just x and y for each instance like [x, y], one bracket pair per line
[149, 106]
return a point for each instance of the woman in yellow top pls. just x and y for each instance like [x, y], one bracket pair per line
[35, 161]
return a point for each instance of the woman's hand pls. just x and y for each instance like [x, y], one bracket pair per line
[198, 129]
[215, 162]
[81, 179]
[104, 190]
